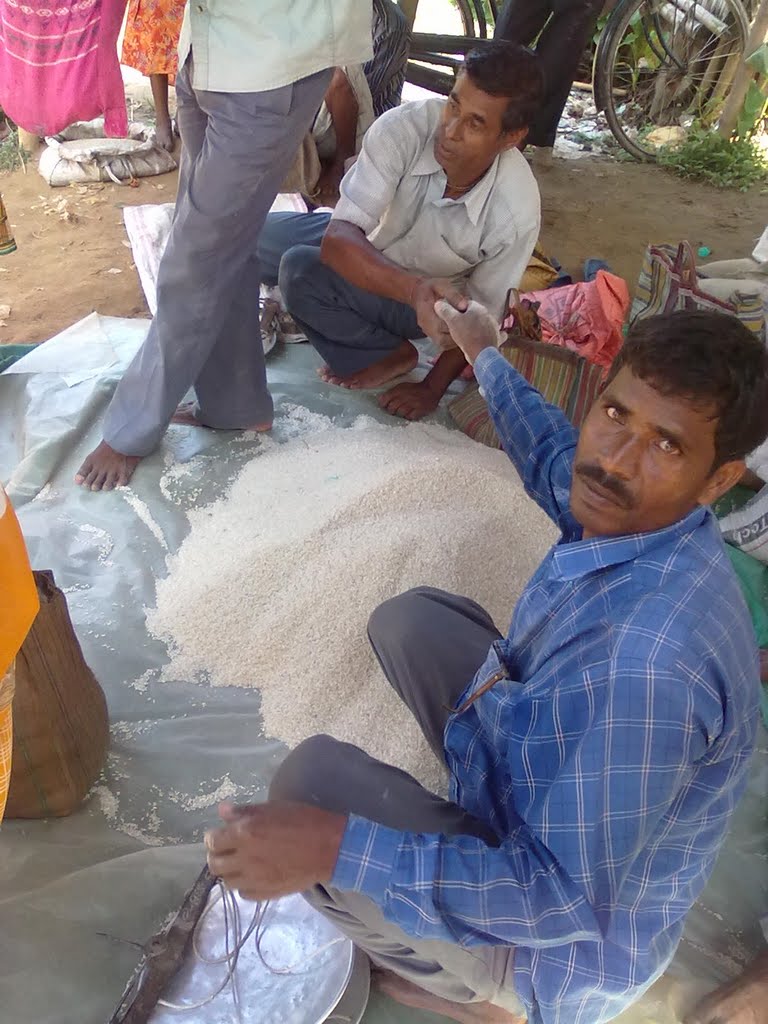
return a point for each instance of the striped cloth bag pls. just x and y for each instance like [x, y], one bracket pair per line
[563, 377]
[668, 282]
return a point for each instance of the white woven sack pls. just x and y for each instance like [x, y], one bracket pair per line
[747, 527]
[93, 159]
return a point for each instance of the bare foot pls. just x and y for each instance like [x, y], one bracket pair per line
[408, 994]
[164, 135]
[410, 401]
[741, 1001]
[185, 415]
[105, 469]
[401, 361]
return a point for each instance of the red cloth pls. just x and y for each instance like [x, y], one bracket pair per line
[587, 317]
[151, 40]
[59, 64]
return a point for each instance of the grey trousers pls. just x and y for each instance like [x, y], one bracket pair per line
[237, 148]
[429, 644]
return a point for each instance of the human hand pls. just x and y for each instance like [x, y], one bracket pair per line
[472, 330]
[275, 848]
[328, 184]
[426, 293]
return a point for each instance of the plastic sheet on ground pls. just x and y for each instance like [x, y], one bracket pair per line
[79, 895]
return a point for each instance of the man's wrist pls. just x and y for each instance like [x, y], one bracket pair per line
[330, 845]
[415, 283]
[473, 351]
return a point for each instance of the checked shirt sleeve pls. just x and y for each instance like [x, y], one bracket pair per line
[538, 437]
[607, 761]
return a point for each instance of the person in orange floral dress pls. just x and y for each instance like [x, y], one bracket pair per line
[150, 46]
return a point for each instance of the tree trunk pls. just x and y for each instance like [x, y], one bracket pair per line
[744, 74]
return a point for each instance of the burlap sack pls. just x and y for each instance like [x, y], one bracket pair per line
[60, 722]
[305, 170]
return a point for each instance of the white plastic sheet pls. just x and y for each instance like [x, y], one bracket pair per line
[78, 895]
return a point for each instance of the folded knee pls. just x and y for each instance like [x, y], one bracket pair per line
[298, 269]
[297, 777]
[397, 615]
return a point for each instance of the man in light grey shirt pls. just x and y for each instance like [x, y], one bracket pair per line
[252, 78]
[440, 204]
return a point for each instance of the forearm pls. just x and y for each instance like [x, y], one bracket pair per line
[457, 888]
[448, 367]
[346, 250]
[537, 436]
[343, 108]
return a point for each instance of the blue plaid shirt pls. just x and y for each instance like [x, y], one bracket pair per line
[608, 759]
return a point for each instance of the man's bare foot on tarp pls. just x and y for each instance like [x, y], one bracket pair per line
[104, 469]
[401, 361]
[185, 415]
[410, 401]
[408, 994]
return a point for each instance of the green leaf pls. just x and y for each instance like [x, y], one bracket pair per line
[759, 59]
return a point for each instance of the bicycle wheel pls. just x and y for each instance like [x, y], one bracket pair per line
[665, 64]
[473, 18]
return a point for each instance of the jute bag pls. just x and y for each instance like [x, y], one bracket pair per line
[668, 282]
[60, 722]
[564, 378]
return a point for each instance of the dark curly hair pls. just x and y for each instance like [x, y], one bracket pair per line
[712, 360]
[501, 68]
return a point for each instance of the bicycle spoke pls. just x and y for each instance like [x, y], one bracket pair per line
[672, 62]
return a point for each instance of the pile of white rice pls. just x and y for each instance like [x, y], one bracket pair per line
[273, 587]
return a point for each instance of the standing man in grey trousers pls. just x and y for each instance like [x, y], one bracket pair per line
[252, 79]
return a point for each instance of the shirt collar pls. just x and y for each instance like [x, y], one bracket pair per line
[474, 200]
[577, 558]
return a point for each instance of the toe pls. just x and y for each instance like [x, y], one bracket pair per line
[82, 475]
[90, 478]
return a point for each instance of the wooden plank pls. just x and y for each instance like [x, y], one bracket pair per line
[162, 957]
[428, 42]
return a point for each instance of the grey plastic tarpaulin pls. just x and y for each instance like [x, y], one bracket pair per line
[79, 895]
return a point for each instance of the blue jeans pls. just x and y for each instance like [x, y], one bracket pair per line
[350, 327]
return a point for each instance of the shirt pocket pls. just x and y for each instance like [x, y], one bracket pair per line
[445, 261]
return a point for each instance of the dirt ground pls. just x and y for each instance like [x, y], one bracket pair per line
[71, 242]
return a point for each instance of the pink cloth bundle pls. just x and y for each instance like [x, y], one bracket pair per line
[59, 64]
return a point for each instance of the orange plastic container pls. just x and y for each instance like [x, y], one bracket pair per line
[18, 607]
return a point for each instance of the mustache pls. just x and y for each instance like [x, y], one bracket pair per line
[610, 483]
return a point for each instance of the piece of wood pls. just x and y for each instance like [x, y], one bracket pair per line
[744, 74]
[60, 719]
[162, 957]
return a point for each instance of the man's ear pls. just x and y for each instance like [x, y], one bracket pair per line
[514, 140]
[722, 480]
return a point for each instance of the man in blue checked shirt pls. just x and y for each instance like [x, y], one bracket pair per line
[595, 753]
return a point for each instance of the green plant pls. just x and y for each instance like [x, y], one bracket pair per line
[753, 108]
[11, 155]
[706, 156]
